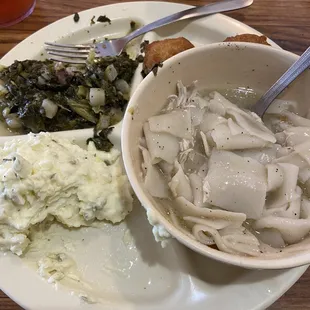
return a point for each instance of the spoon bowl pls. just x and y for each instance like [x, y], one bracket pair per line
[296, 69]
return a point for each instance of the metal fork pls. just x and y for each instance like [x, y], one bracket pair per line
[78, 53]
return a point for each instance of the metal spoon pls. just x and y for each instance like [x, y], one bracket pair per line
[287, 78]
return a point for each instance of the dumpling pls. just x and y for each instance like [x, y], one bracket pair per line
[154, 180]
[250, 122]
[296, 135]
[196, 115]
[279, 105]
[216, 107]
[179, 100]
[292, 230]
[237, 242]
[292, 157]
[296, 120]
[180, 185]
[166, 168]
[227, 178]
[192, 161]
[188, 209]
[218, 99]
[263, 156]
[241, 240]
[286, 192]
[305, 208]
[234, 128]
[224, 140]
[162, 146]
[251, 125]
[176, 123]
[219, 223]
[196, 185]
[303, 150]
[236, 184]
[304, 175]
[275, 123]
[293, 209]
[210, 121]
[275, 177]
[271, 237]
[205, 143]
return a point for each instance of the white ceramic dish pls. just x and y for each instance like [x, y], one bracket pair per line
[135, 272]
[216, 66]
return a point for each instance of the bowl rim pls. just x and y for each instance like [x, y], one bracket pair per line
[295, 260]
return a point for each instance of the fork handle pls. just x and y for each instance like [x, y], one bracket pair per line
[222, 6]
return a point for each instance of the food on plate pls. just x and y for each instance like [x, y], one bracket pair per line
[226, 178]
[160, 233]
[104, 19]
[159, 51]
[56, 266]
[50, 96]
[46, 179]
[248, 37]
[76, 17]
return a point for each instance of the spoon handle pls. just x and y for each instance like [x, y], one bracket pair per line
[289, 76]
[217, 7]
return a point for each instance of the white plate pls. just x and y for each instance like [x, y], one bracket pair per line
[125, 266]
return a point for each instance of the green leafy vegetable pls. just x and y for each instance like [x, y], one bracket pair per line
[26, 84]
[83, 109]
[133, 25]
[101, 140]
[104, 19]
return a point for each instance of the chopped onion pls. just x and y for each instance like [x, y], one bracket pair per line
[59, 66]
[3, 90]
[13, 122]
[103, 123]
[122, 86]
[97, 97]
[50, 108]
[46, 74]
[110, 73]
[6, 111]
[41, 80]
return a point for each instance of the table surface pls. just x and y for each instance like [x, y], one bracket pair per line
[286, 22]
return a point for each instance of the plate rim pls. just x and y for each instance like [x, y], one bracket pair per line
[299, 271]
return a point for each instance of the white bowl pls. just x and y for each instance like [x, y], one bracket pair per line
[215, 66]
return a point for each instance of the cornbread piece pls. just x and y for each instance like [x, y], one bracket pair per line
[247, 37]
[159, 51]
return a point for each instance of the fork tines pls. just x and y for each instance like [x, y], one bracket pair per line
[69, 53]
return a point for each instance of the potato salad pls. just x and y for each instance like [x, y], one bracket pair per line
[44, 179]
